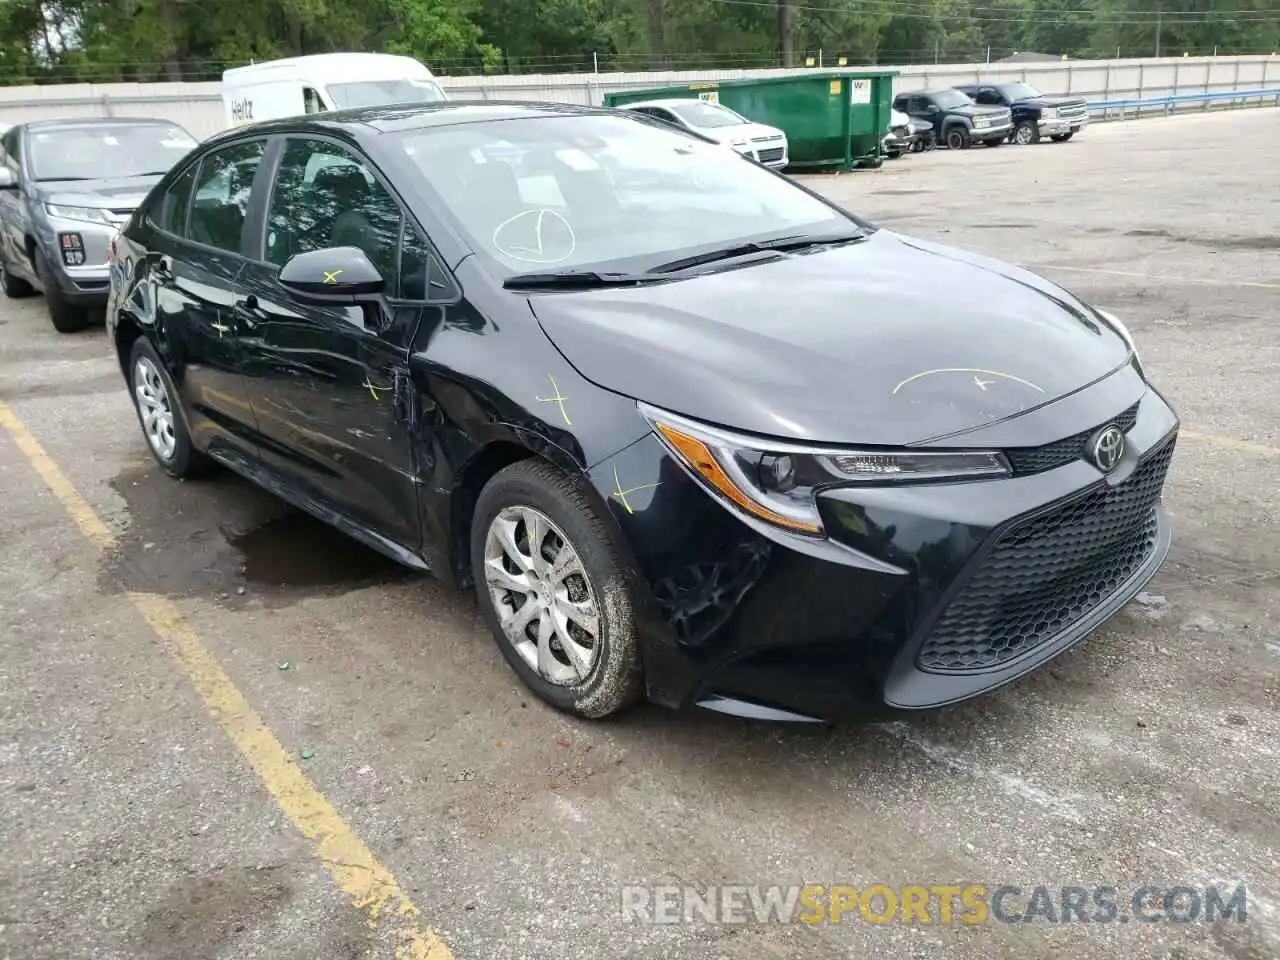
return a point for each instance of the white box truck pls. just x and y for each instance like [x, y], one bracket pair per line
[325, 81]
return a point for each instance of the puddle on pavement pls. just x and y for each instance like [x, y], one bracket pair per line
[296, 550]
[225, 539]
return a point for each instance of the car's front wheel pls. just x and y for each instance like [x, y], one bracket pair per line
[156, 400]
[1062, 137]
[553, 590]
[957, 138]
[1026, 132]
[66, 317]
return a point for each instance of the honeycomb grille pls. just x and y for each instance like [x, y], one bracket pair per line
[1048, 573]
[1028, 460]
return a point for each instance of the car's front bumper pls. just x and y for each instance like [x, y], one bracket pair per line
[993, 132]
[1058, 125]
[81, 272]
[919, 596]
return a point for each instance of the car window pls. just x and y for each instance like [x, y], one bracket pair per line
[223, 189]
[700, 113]
[107, 150]
[602, 189]
[172, 216]
[326, 196]
[11, 149]
[989, 97]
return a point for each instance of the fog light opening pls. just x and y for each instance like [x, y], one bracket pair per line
[72, 249]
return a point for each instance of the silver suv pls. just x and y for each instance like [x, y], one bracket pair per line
[66, 187]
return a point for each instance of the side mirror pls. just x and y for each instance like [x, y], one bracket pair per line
[7, 180]
[335, 274]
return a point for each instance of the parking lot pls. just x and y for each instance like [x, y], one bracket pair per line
[227, 731]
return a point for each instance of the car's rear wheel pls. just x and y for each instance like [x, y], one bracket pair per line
[14, 287]
[553, 591]
[1062, 137]
[65, 317]
[957, 138]
[156, 400]
[1026, 132]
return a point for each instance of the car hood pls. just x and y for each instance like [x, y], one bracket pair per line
[740, 131]
[891, 340]
[122, 194]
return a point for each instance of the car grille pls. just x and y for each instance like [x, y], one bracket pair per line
[1028, 460]
[770, 154]
[1049, 572]
[1074, 111]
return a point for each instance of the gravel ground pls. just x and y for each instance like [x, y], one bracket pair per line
[131, 827]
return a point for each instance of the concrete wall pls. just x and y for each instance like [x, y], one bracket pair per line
[198, 106]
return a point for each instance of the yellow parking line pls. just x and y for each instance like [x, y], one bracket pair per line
[1231, 443]
[353, 866]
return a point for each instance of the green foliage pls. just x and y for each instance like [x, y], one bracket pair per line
[59, 40]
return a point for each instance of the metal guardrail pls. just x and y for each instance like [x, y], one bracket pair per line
[1173, 100]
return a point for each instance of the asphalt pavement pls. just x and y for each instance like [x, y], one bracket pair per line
[226, 731]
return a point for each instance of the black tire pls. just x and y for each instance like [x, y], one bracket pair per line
[614, 680]
[917, 145]
[1062, 137]
[15, 288]
[186, 461]
[65, 317]
[1026, 132]
[957, 138]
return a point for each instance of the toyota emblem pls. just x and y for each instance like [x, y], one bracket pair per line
[1107, 448]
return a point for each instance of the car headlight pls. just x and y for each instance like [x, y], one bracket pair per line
[778, 482]
[981, 122]
[1049, 113]
[1115, 324]
[738, 143]
[85, 214]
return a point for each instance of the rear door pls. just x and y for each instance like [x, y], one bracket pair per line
[194, 264]
[329, 383]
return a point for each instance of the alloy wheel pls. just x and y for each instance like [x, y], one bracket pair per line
[155, 409]
[1022, 135]
[542, 595]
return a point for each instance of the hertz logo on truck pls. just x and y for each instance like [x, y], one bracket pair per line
[242, 110]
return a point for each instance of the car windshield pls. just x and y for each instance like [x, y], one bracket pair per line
[378, 93]
[611, 192]
[107, 151]
[700, 113]
[950, 99]
[1019, 91]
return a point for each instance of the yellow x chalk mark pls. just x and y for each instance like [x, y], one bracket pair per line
[374, 391]
[558, 399]
[622, 494]
[331, 276]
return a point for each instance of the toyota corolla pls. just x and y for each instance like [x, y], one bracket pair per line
[691, 430]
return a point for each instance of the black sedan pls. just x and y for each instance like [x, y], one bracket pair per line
[692, 430]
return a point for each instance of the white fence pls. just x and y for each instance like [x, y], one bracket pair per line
[198, 106]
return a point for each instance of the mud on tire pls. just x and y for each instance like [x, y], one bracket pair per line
[614, 680]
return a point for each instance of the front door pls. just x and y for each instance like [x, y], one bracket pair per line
[329, 383]
[194, 269]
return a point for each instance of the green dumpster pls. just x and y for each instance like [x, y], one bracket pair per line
[833, 119]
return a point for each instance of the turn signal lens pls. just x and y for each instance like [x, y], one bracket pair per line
[697, 455]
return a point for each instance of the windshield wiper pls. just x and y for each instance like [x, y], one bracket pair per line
[60, 179]
[577, 280]
[799, 241]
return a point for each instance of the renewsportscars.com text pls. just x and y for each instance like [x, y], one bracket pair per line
[933, 904]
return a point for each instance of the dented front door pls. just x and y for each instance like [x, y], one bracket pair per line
[329, 390]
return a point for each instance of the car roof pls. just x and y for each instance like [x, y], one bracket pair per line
[71, 123]
[396, 118]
